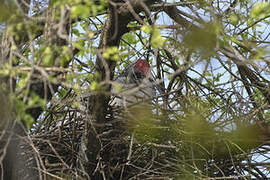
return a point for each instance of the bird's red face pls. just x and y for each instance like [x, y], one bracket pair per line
[143, 66]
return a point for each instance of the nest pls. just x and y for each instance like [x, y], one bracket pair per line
[62, 149]
[133, 143]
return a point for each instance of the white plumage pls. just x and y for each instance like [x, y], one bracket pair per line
[134, 85]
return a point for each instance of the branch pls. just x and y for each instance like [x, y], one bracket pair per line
[234, 55]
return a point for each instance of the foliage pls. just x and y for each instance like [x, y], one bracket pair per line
[210, 118]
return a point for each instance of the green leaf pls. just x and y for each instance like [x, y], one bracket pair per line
[118, 87]
[111, 53]
[94, 86]
[157, 41]
[132, 24]
[260, 10]
[80, 10]
[146, 29]
[48, 60]
[130, 38]
[234, 19]
[28, 120]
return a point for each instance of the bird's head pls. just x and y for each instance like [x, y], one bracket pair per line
[135, 72]
[142, 66]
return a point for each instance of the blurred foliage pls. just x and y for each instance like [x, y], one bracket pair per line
[7, 9]
[156, 39]
[206, 124]
[190, 138]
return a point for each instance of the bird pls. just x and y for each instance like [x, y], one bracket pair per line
[135, 84]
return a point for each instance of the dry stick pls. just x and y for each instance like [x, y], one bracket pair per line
[57, 177]
[173, 13]
[129, 155]
[39, 160]
[245, 74]
[55, 69]
[254, 23]
[56, 153]
[130, 148]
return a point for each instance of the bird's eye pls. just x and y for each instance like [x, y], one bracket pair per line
[139, 75]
